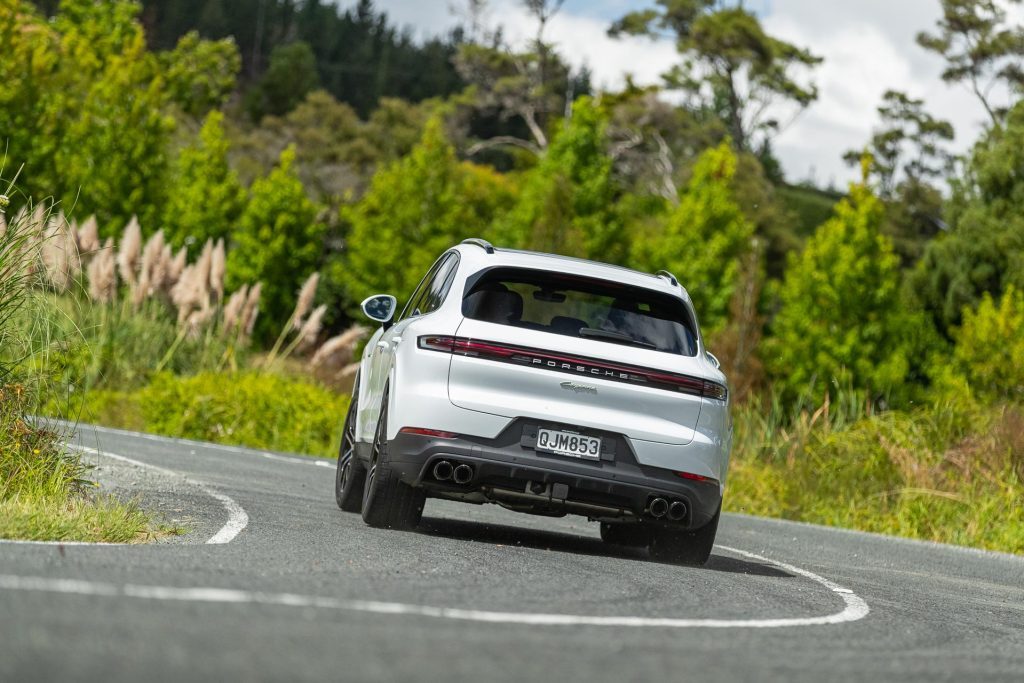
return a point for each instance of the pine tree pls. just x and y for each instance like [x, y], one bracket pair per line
[841, 322]
[278, 242]
[205, 196]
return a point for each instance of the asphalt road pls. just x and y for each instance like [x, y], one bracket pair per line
[291, 588]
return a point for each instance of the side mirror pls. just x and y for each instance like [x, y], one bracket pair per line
[714, 360]
[380, 308]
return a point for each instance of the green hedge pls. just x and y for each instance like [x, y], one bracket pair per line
[251, 409]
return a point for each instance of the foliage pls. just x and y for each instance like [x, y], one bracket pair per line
[289, 78]
[980, 48]
[907, 129]
[567, 203]
[201, 73]
[42, 485]
[703, 239]
[277, 241]
[949, 472]
[989, 349]
[730, 64]
[428, 199]
[246, 409]
[205, 198]
[360, 55]
[983, 250]
[907, 156]
[840, 317]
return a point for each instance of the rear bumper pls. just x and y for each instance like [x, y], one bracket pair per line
[616, 487]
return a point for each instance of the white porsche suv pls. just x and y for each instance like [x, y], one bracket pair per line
[548, 385]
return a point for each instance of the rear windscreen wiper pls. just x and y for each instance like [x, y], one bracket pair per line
[617, 337]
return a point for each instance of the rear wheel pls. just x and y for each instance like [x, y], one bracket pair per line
[631, 535]
[387, 501]
[691, 548]
[351, 473]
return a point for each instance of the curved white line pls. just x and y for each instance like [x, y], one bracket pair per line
[238, 519]
[855, 607]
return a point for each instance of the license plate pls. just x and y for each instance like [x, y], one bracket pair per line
[567, 443]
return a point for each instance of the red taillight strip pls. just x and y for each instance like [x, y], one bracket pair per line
[695, 477]
[573, 364]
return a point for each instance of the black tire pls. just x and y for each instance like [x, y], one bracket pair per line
[351, 473]
[388, 503]
[692, 548]
[629, 535]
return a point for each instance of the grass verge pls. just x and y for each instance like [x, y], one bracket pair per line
[952, 472]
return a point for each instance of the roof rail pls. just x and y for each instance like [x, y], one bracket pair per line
[668, 276]
[483, 244]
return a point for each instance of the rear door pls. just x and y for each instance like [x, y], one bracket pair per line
[528, 359]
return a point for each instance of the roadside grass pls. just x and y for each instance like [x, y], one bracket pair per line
[45, 493]
[951, 472]
[255, 409]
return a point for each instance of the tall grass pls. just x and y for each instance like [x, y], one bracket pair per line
[950, 471]
[44, 492]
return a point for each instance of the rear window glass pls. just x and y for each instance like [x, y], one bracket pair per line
[586, 308]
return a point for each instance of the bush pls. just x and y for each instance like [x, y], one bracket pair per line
[246, 409]
[841, 318]
[990, 347]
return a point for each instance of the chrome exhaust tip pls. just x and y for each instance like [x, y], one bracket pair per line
[463, 474]
[658, 508]
[443, 470]
[676, 511]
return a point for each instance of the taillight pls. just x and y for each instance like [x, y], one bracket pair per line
[578, 365]
[694, 477]
[422, 431]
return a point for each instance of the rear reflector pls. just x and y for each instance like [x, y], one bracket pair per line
[577, 365]
[436, 433]
[693, 477]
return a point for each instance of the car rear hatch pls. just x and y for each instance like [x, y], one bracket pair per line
[519, 353]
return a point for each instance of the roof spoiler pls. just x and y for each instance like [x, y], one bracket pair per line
[483, 244]
[668, 276]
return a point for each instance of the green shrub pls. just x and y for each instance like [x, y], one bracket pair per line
[841, 318]
[247, 409]
[989, 348]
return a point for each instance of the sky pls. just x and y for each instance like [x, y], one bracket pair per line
[868, 47]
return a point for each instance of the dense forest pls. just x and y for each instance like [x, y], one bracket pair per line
[301, 136]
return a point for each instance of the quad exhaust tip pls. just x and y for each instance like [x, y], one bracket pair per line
[463, 474]
[444, 470]
[659, 508]
[676, 511]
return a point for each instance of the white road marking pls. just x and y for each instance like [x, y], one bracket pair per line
[855, 608]
[310, 461]
[238, 519]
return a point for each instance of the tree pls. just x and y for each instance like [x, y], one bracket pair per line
[989, 349]
[983, 250]
[703, 240]
[567, 204]
[111, 156]
[201, 73]
[289, 78]
[907, 155]
[205, 197]
[427, 199]
[730, 64]
[840, 321]
[979, 47]
[278, 242]
[907, 146]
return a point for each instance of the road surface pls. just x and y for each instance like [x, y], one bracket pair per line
[274, 582]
